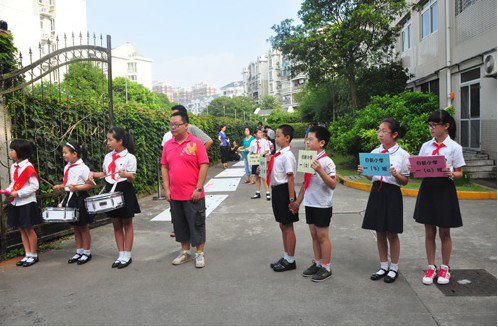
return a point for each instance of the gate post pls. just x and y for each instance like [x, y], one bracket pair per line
[109, 81]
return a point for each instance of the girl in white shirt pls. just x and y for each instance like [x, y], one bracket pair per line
[120, 166]
[437, 204]
[77, 184]
[23, 211]
[384, 212]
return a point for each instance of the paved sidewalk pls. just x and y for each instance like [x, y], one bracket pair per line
[237, 286]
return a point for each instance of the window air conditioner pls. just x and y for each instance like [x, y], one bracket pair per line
[490, 64]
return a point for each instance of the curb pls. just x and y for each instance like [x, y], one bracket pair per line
[462, 195]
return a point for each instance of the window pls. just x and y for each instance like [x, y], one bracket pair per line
[406, 36]
[470, 109]
[432, 86]
[132, 77]
[41, 23]
[52, 24]
[429, 18]
[132, 67]
[461, 5]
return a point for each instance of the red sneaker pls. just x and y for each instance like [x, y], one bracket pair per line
[429, 276]
[444, 275]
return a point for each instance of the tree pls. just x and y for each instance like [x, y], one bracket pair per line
[83, 80]
[269, 102]
[137, 93]
[231, 107]
[339, 38]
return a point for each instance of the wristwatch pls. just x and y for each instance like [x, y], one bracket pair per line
[292, 200]
[199, 190]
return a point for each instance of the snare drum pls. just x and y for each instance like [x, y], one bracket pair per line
[104, 202]
[60, 215]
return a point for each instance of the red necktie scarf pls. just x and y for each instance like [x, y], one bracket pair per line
[307, 176]
[16, 173]
[257, 147]
[438, 146]
[382, 177]
[112, 166]
[66, 174]
[270, 167]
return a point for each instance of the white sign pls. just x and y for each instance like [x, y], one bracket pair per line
[237, 172]
[263, 167]
[222, 185]
[305, 159]
[253, 159]
[212, 202]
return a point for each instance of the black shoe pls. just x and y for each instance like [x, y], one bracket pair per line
[273, 264]
[284, 266]
[74, 259]
[116, 263]
[321, 275]
[84, 259]
[20, 263]
[389, 279]
[268, 197]
[313, 269]
[124, 265]
[256, 196]
[377, 276]
[27, 264]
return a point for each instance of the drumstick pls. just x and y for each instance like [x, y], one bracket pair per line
[43, 179]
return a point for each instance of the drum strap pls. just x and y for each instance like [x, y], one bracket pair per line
[112, 189]
[68, 199]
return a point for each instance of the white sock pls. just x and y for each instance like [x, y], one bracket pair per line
[30, 259]
[327, 266]
[127, 256]
[121, 256]
[445, 267]
[384, 265]
[317, 262]
[34, 255]
[288, 258]
[79, 251]
[28, 254]
[393, 266]
[431, 267]
[86, 252]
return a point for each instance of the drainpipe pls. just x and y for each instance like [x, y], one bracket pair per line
[448, 53]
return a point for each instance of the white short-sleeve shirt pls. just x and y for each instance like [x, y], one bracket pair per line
[263, 146]
[284, 164]
[78, 175]
[452, 151]
[318, 194]
[399, 160]
[126, 161]
[27, 193]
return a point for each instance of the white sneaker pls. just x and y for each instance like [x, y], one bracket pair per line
[429, 276]
[184, 256]
[444, 275]
[200, 262]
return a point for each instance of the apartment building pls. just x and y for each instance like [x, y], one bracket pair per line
[255, 78]
[128, 62]
[450, 48]
[233, 89]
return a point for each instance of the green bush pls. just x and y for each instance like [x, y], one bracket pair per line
[279, 117]
[358, 134]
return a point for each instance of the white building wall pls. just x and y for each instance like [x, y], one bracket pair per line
[125, 54]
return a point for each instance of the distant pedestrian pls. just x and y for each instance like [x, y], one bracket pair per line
[437, 204]
[271, 136]
[184, 168]
[260, 147]
[384, 212]
[224, 145]
[248, 138]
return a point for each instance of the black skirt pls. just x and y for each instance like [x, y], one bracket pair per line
[437, 203]
[78, 201]
[384, 211]
[224, 153]
[27, 215]
[131, 206]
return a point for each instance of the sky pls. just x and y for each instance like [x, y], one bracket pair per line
[190, 41]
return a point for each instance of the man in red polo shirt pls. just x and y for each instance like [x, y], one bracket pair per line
[184, 168]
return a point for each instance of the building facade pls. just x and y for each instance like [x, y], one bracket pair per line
[450, 48]
[36, 23]
[164, 88]
[128, 62]
[233, 89]
[255, 78]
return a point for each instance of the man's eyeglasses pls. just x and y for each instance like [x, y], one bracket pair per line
[176, 125]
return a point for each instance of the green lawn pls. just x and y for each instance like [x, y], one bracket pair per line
[345, 167]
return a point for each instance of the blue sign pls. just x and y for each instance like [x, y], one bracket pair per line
[375, 164]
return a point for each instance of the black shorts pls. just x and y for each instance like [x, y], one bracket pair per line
[189, 221]
[280, 204]
[254, 170]
[320, 217]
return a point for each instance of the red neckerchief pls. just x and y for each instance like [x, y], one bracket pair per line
[23, 178]
[307, 176]
[112, 165]
[66, 174]
[257, 147]
[438, 146]
[270, 167]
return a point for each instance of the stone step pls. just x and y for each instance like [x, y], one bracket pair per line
[481, 174]
[479, 162]
[470, 156]
[475, 169]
